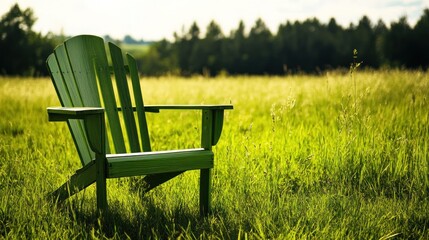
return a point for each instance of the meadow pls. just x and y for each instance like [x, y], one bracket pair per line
[335, 156]
[137, 50]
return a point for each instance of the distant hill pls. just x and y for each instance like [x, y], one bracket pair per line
[128, 40]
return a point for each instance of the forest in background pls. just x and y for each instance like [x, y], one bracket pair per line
[308, 46]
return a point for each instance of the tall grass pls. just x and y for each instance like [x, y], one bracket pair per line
[326, 157]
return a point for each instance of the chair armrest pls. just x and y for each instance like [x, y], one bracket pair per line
[156, 108]
[93, 119]
[65, 113]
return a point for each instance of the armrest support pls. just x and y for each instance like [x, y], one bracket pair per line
[93, 119]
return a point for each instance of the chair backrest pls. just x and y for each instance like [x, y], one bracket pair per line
[81, 72]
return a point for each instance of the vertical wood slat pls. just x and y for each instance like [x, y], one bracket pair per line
[59, 76]
[124, 97]
[138, 99]
[89, 63]
[106, 88]
[68, 76]
[81, 58]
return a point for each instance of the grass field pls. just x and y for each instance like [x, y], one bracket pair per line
[325, 157]
[137, 50]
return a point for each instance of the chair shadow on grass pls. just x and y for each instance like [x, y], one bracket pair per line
[153, 222]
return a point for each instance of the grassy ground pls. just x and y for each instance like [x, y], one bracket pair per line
[326, 157]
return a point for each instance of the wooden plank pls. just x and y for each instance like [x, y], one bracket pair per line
[68, 78]
[123, 165]
[138, 99]
[124, 97]
[81, 54]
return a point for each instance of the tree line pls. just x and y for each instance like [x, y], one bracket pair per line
[302, 46]
[23, 51]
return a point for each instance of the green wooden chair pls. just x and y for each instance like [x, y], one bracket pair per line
[81, 72]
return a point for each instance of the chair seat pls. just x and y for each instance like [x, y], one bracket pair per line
[144, 163]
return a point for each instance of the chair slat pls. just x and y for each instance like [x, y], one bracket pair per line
[81, 58]
[68, 76]
[138, 99]
[124, 97]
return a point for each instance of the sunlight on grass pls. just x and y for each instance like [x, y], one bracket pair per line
[300, 157]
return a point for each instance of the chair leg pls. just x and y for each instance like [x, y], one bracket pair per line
[101, 186]
[205, 189]
[101, 196]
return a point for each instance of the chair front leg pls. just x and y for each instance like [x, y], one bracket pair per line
[101, 187]
[205, 192]
[205, 174]
[96, 132]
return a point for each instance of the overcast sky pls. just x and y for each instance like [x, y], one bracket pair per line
[157, 19]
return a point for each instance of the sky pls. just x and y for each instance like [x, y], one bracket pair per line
[158, 19]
